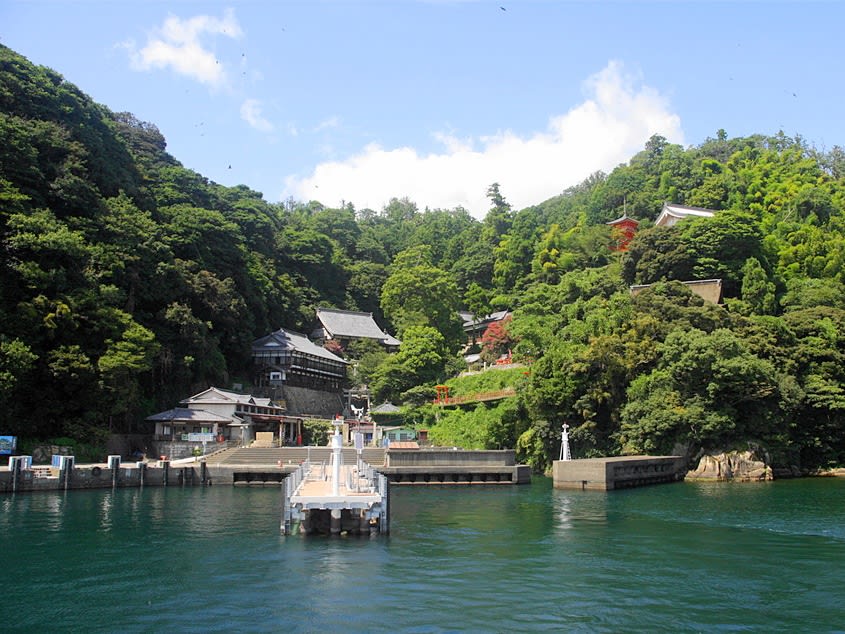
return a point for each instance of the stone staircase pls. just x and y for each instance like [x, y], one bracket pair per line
[270, 456]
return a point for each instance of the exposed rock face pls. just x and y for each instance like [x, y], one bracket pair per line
[742, 466]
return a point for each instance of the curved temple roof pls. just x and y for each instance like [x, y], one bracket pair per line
[350, 324]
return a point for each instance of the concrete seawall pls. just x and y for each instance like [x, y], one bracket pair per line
[445, 466]
[96, 476]
[621, 472]
[268, 469]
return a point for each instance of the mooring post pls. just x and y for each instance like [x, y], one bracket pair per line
[285, 506]
[384, 489]
[15, 465]
[114, 465]
[66, 466]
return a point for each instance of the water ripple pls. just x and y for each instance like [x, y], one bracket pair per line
[684, 557]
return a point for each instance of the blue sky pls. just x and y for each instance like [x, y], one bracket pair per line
[435, 100]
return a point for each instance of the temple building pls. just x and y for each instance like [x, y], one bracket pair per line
[673, 214]
[289, 358]
[709, 290]
[474, 327]
[346, 326]
[623, 231]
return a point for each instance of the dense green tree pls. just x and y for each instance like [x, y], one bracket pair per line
[721, 245]
[16, 363]
[417, 293]
[515, 252]
[757, 291]
[421, 360]
[708, 388]
[818, 427]
[477, 300]
[657, 254]
[129, 280]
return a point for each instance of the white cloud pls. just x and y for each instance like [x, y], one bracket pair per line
[331, 122]
[251, 113]
[177, 45]
[614, 121]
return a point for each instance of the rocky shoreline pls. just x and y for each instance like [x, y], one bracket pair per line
[748, 466]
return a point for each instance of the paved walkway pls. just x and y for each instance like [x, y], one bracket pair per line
[315, 486]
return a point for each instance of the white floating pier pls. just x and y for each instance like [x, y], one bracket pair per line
[335, 498]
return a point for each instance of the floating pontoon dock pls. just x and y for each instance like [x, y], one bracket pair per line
[335, 498]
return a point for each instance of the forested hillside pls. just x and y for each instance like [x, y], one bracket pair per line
[129, 281]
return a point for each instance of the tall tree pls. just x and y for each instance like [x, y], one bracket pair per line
[417, 293]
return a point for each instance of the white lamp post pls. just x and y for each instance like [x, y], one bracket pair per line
[564, 444]
[337, 455]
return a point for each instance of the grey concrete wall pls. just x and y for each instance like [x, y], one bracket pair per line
[615, 473]
[580, 474]
[178, 449]
[447, 457]
[97, 477]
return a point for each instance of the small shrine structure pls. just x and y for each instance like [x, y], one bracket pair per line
[623, 230]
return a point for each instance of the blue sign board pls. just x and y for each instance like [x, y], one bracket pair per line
[8, 445]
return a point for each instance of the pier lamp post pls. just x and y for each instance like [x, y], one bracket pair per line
[337, 454]
[564, 443]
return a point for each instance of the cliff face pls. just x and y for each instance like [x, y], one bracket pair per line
[741, 466]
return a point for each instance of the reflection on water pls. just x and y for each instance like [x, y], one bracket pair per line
[680, 557]
[579, 508]
[105, 512]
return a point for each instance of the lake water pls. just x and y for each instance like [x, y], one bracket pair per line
[672, 558]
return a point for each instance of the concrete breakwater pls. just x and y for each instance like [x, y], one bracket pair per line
[621, 472]
[445, 466]
[21, 477]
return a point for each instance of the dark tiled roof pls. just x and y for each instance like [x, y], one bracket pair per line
[186, 415]
[353, 325]
[214, 395]
[385, 408]
[623, 218]
[288, 340]
[484, 321]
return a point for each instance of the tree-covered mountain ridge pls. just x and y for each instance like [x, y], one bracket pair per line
[129, 281]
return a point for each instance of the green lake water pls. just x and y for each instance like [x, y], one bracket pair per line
[683, 557]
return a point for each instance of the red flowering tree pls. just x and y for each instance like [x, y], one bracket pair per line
[496, 341]
[333, 346]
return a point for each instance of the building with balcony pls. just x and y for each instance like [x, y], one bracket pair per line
[287, 358]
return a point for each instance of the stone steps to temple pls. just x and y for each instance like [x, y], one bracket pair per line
[255, 456]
